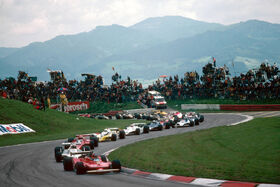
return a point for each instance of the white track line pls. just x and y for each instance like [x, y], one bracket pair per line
[248, 118]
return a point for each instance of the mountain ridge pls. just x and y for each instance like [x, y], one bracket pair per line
[143, 52]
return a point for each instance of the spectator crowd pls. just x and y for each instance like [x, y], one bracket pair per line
[215, 82]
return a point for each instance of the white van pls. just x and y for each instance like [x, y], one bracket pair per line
[159, 102]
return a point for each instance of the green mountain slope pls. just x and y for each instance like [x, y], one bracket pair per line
[171, 28]
[168, 45]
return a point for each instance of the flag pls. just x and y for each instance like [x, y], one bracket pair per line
[214, 61]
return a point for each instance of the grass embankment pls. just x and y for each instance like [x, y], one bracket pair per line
[176, 104]
[247, 152]
[49, 124]
[104, 107]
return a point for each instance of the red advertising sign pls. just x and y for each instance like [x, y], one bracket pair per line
[73, 106]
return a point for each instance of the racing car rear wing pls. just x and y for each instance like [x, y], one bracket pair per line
[66, 143]
[80, 153]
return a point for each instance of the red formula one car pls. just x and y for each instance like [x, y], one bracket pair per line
[84, 139]
[90, 163]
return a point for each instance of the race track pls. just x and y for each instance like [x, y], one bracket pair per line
[34, 164]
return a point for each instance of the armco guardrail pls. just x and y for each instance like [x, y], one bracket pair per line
[200, 107]
[250, 107]
[230, 107]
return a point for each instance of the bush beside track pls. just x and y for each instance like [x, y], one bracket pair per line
[247, 152]
[49, 124]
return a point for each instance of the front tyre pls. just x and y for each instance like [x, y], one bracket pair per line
[122, 135]
[68, 164]
[80, 168]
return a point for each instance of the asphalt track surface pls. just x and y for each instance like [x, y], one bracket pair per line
[34, 164]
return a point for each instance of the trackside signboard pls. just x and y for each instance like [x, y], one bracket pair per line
[16, 128]
[73, 106]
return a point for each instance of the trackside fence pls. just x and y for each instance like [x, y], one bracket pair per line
[230, 107]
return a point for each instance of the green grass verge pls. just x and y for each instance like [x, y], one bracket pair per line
[49, 124]
[103, 107]
[247, 152]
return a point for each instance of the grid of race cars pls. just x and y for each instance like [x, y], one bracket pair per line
[77, 154]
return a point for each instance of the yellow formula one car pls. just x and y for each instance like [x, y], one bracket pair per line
[110, 134]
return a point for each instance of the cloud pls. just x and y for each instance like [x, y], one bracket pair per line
[26, 21]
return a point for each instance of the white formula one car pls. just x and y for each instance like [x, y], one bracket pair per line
[60, 153]
[198, 116]
[185, 122]
[136, 129]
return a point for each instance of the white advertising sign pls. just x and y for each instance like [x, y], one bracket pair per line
[16, 128]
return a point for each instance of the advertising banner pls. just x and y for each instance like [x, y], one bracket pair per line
[16, 128]
[73, 106]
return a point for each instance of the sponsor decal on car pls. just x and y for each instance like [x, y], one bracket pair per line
[16, 128]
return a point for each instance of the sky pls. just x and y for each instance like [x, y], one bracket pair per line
[25, 21]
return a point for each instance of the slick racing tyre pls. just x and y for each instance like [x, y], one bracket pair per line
[167, 125]
[146, 129]
[91, 144]
[114, 137]
[160, 127]
[191, 123]
[196, 122]
[95, 139]
[122, 135]
[137, 131]
[80, 168]
[116, 164]
[201, 119]
[70, 140]
[85, 148]
[68, 164]
[58, 154]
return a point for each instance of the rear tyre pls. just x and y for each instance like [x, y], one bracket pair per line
[80, 168]
[85, 148]
[116, 164]
[114, 137]
[118, 116]
[191, 123]
[122, 135]
[137, 132]
[91, 144]
[196, 122]
[146, 129]
[167, 125]
[68, 164]
[160, 127]
[96, 141]
[70, 140]
[201, 119]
